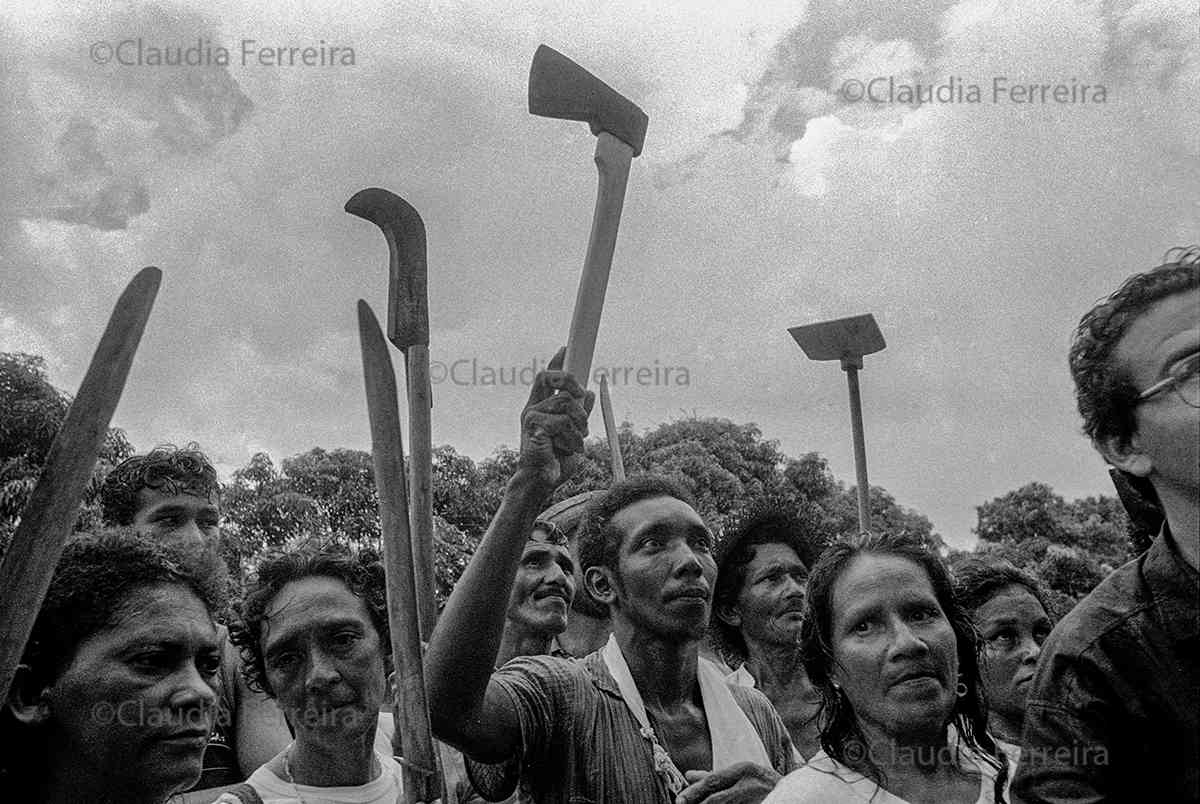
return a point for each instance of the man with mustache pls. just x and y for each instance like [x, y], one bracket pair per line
[644, 719]
[762, 566]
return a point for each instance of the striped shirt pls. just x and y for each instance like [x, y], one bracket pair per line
[582, 744]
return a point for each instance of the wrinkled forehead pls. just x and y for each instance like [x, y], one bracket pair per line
[312, 603]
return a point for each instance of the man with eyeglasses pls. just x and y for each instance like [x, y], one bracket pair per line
[1114, 712]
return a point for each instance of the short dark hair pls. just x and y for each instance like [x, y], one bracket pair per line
[166, 468]
[92, 584]
[978, 579]
[598, 541]
[362, 573]
[769, 521]
[841, 736]
[1104, 393]
[91, 590]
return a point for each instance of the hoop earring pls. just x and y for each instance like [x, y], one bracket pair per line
[960, 689]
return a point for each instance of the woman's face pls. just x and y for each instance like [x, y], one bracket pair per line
[1013, 625]
[136, 704]
[894, 651]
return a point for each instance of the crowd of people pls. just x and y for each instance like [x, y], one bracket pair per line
[611, 648]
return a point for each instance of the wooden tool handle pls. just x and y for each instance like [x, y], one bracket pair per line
[415, 736]
[613, 158]
[49, 516]
[420, 445]
[610, 430]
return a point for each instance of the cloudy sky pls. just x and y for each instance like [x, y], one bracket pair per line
[976, 227]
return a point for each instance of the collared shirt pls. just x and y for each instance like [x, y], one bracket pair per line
[582, 744]
[1114, 711]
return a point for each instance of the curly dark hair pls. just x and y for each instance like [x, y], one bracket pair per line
[165, 468]
[977, 579]
[839, 724]
[1104, 392]
[598, 541]
[91, 590]
[765, 521]
[362, 573]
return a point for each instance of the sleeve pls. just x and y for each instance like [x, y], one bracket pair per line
[540, 691]
[1071, 726]
[494, 782]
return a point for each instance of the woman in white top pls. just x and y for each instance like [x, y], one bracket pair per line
[896, 661]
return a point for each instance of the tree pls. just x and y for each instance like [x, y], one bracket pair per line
[31, 413]
[1069, 546]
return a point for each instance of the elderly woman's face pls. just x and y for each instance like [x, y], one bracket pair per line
[137, 703]
[1013, 625]
[893, 648]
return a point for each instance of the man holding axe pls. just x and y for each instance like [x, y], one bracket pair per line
[649, 726]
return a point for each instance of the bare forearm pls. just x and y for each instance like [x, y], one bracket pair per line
[462, 651]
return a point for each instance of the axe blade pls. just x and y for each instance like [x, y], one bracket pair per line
[408, 300]
[560, 88]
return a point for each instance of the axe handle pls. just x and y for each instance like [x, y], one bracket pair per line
[49, 515]
[613, 158]
[387, 448]
[610, 430]
[420, 444]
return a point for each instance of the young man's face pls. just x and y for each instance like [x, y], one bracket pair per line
[1166, 445]
[544, 589]
[177, 520]
[665, 568]
[770, 604]
[324, 659]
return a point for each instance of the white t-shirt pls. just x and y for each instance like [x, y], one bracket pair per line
[383, 789]
[824, 780]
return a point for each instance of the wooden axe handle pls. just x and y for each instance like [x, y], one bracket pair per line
[613, 158]
[412, 727]
[610, 430]
[420, 445]
[49, 516]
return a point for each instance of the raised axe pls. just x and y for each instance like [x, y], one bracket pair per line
[610, 430]
[558, 87]
[408, 330]
[413, 739]
[49, 515]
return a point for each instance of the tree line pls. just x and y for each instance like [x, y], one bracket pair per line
[330, 493]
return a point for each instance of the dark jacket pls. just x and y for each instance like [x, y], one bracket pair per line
[1114, 711]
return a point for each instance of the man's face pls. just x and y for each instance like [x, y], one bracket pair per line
[665, 568]
[177, 520]
[770, 604]
[324, 659]
[1166, 446]
[544, 588]
[138, 701]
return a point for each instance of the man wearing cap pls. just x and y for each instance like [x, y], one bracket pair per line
[541, 598]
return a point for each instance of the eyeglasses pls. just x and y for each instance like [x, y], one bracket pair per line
[1183, 377]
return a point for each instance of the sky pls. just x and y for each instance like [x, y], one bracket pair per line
[974, 174]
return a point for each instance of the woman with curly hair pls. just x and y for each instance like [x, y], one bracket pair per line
[896, 660]
[115, 698]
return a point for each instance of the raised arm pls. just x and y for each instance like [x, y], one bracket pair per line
[466, 709]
